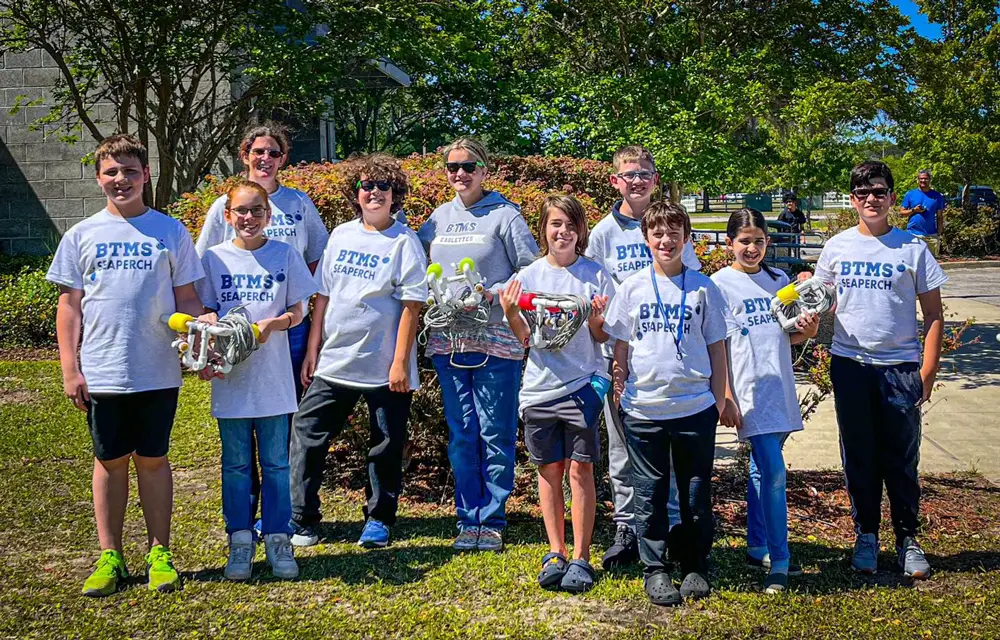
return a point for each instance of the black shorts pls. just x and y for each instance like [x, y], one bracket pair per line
[564, 428]
[125, 423]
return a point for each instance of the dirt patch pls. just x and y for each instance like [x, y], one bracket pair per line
[17, 396]
[28, 354]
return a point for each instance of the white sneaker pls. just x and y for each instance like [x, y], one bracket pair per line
[278, 549]
[241, 553]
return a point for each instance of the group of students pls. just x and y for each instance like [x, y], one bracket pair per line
[683, 353]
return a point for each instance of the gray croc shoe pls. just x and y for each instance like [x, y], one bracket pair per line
[553, 570]
[661, 590]
[579, 577]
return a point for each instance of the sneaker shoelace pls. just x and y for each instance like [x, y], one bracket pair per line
[160, 560]
[622, 536]
[283, 551]
[105, 564]
[241, 553]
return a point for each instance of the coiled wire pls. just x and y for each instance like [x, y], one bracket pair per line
[560, 326]
[236, 347]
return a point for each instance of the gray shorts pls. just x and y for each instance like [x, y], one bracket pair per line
[564, 428]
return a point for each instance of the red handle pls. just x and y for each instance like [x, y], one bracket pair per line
[526, 302]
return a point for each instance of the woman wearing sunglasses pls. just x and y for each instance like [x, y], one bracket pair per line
[480, 373]
[294, 221]
[371, 290]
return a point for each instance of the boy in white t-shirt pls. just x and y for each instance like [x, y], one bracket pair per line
[560, 404]
[617, 244]
[118, 272]
[267, 282]
[670, 374]
[879, 381]
[371, 289]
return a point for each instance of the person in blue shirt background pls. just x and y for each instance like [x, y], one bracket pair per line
[922, 207]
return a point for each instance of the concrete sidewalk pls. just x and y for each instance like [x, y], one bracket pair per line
[961, 430]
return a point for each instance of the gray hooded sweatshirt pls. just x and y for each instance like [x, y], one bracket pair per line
[492, 232]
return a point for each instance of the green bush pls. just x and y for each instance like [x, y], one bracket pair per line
[971, 232]
[27, 306]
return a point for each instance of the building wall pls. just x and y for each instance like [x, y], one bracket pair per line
[44, 187]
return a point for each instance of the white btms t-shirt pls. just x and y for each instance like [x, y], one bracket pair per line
[760, 354]
[127, 269]
[294, 220]
[661, 386]
[552, 374]
[367, 275]
[877, 281]
[268, 281]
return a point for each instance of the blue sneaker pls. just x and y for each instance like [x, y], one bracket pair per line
[374, 535]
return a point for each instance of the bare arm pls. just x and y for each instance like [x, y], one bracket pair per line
[69, 320]
[595, 322]
[315, 340]
[291, 317]
[186, 300]
[406, 335]
[509, 296]
[619, 371]
[930, 306]
[720, 373]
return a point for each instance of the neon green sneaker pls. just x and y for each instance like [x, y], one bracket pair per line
[104, 580]
[160, 568]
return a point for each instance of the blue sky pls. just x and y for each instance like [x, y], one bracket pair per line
[909, 9]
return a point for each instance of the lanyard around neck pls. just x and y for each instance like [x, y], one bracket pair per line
[663, 310]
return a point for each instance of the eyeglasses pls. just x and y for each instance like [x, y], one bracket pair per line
[862, 193]
[630, 176]
[371, 185]
[256, 212]
[272, 153]
[467, 167]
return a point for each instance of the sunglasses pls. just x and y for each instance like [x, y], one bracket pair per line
[467, 167]
[256, 212]
[862, 193]
[645, 176]
[273, 153]
[371, 185]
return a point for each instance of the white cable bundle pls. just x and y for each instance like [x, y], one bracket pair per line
[554, 318]
[222, 345]
[797, 298]
[456, 306]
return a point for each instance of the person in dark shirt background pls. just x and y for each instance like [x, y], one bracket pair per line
[792, 215]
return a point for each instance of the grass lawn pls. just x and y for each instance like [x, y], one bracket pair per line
[419, 587]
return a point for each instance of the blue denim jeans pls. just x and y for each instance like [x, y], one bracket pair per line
[767, 509]
[480, 406]
[237, 459]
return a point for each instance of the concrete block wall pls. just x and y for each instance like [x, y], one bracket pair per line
[44, 187]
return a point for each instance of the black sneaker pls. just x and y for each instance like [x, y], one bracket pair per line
[304, 536]
[624, 551]
[695, 586]
[775, 583]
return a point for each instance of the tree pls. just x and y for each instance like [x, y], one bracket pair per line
[186, 75]
[949, 114]
[719, 91]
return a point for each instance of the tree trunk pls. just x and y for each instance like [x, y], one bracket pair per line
[704, 201]
[675, 191]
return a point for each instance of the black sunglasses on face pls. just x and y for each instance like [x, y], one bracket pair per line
[273, 153]
[371, 185]
[467, 167]
[862, 193]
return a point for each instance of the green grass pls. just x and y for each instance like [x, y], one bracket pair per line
[419, 587]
